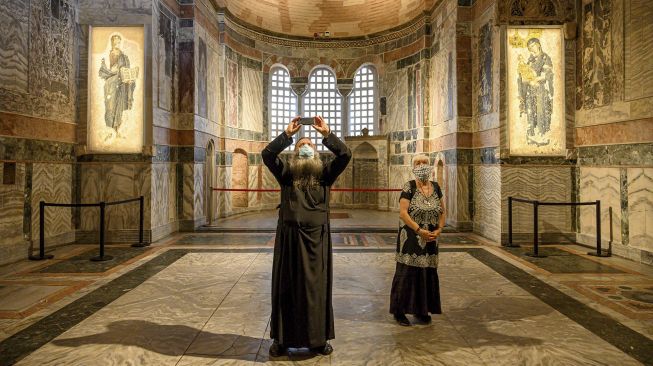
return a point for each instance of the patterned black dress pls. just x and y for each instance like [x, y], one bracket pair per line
[415, 287]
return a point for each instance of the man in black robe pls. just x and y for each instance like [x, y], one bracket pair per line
[302, 272]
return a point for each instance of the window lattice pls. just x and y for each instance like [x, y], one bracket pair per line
[362, 102]
[283, 102]
[322, 98]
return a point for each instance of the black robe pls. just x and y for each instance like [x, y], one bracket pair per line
[302, 272]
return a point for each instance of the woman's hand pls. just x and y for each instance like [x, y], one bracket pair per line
[434, 234]
[293, 126]
[425, 234]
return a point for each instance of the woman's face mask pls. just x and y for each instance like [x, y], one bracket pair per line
[306, 152]
[422, 171]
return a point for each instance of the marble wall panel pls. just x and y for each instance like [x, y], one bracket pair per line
[396, 91]
[188, 211]
[164, 194]
[199, 192]
[37, 70]
[12, 202]
[640, 208]
[545, 184]
[269, 199]
[485, 72]
[14, 43]
[252, 92]
[399, 175]
[232, 90]
[597, 72]
[487, 201]
[214, 95]
[600, 184]
[224, 199]
[638, 49]
[239, 178]
[114, 182]
[165, 60]
[51, 183]
[253, 198]
[201, 75]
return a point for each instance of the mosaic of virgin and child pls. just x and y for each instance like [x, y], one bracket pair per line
[535, 88]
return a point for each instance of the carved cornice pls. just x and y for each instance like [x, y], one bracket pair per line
[261, 35]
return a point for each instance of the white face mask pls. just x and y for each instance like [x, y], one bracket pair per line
[422, 172]
[306, 152]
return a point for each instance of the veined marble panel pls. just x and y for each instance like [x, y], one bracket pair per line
[546, 184]
[115, 182]
[189, 192]
[253, 198]
[396, 91]
[164, 194]
[269, 182]
[600, 184]
[487, 201]
[399, 175]
[12, 204]
[51, 183]
[640, 208]
[231, 99]
[252, 94]
[199, 191]
[638, 48]
[14, 41]
[223, 180]
[214, 94]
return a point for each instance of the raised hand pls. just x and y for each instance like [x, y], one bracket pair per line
[293, 126]
[321, 126]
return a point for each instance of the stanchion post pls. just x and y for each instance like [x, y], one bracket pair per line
[41, 255]
[141, 217]
[102, 257]
[509, 221]
[598, 253]
[536, 241]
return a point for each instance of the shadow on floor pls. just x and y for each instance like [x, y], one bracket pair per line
[173, 340]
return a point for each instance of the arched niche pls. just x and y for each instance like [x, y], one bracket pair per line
[239, 178]
[365, 174]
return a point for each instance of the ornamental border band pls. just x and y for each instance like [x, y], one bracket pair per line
[302, 266]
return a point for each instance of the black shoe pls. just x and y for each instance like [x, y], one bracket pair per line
[402, 320]
[324, 350]
[276, 350]
[426, 319]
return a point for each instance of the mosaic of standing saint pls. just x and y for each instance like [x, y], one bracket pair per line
[116, 93]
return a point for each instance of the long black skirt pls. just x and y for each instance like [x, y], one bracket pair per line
[415, 290]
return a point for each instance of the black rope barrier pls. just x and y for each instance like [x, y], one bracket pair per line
[536, 204]
[102, 205]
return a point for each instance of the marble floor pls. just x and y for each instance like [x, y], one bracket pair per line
[341, 220]
[203, 299]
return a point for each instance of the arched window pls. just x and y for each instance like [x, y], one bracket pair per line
[362, 102]
[283, 102]
[322, 98]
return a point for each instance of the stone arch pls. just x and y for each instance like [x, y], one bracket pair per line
[374, 60]
[239, 178]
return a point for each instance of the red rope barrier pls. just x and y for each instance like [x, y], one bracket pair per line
[332, 190]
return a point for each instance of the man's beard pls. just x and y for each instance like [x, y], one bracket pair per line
[306, 173]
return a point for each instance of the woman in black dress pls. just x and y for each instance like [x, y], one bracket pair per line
[415, 287]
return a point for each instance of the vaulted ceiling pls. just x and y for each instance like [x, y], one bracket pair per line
[342, 18]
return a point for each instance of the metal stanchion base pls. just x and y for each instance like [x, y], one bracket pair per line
[140, 245]
[512, 245]
[536, 255]
[39, 258]
[603, 254]
[102, 259]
